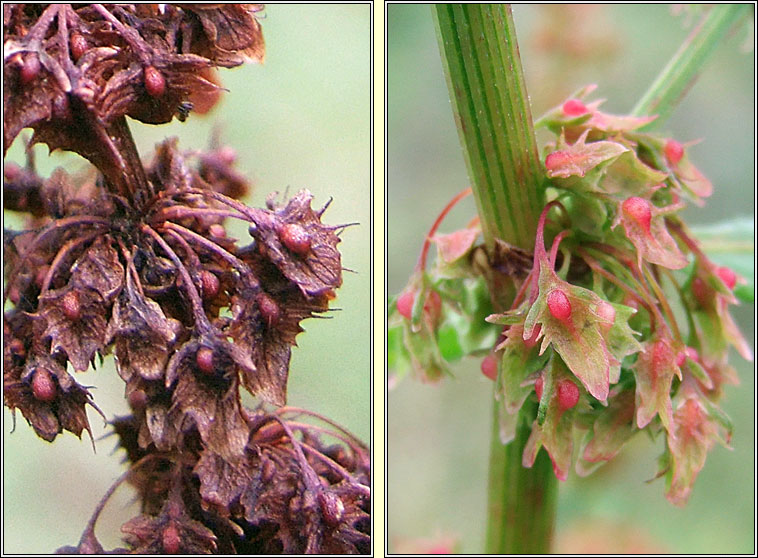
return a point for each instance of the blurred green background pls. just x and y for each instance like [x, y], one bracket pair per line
[438, 435]
[301, 120]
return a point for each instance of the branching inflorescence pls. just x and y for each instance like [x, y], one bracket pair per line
[622, 325]
[135, 259]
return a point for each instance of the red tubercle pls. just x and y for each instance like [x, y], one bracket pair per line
[559, 305]
[295, 238]
[639, 210]
[728, 276]
[204, 360]
[17, 348]
[155, 83]
[674, 151]
[171, 540]
[12, 171]
[30, 70]
[405, 304]
[663, 357]
[137, 399]
[78, 45]
[332, 508]
[606, 311]
[209, 284]
[433, 306]
[574, 107]
[631, 302]
[692, 354]
[71, 306]
[489, 366]
[269, 309]
[39, 276]
[217, 231]
[43, 386]
[568, 394]
[687, 352]
[557, 159]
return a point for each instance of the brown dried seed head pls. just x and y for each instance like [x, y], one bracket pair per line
[43, 386]
[71, 306]
[204, 359]
[295, 238]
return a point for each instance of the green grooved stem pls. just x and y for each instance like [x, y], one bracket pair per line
[491, 108]
[483, 70]
[682, 70]
[522, 519]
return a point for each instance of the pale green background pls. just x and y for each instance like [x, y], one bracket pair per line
[437, 435]
[301, 120]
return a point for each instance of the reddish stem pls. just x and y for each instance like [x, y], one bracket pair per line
[62, 253]
[596, 267]
[556, 243]
[58, 225]
[421, 265]
[211, 246]
[189, 286]
[301, 411]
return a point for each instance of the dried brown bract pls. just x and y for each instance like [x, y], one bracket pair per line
[133, 259]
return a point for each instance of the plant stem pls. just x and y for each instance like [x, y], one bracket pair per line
[491, 108]
[521, 520]
[680, 73]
